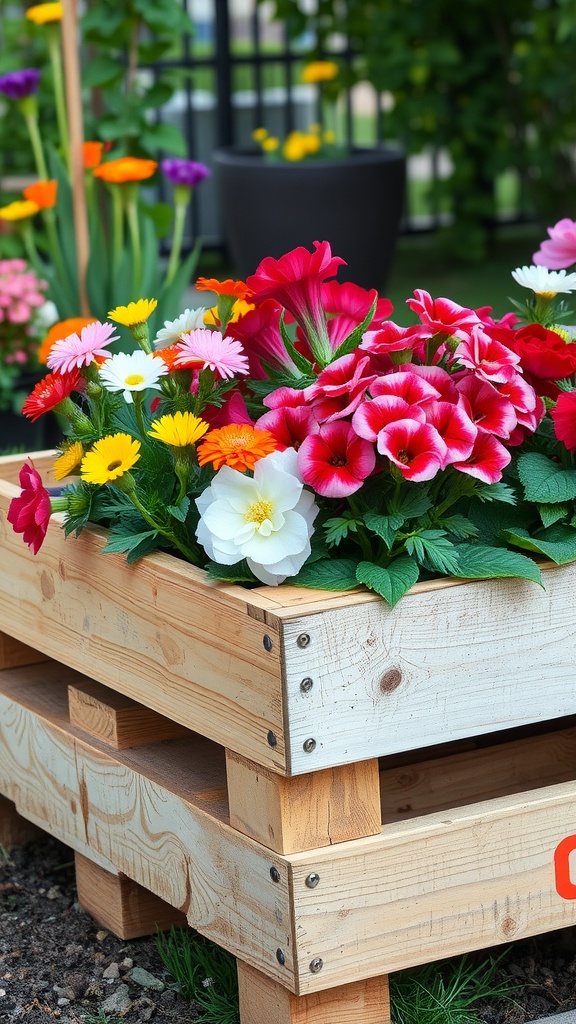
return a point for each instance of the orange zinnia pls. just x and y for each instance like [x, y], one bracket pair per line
[238, 288]
[238, 445]
[92, 154]
[62, 330]
[43, 193]
[125, 169]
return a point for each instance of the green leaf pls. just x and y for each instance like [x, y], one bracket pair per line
[327, 574]
[551, 514]
[496, 492]
[337, 529]
[353, 340]
[238, 573]
[297, 358]
[413, 503]
[558, 542]
[164, 136]
[545, 481]
[385, 527]
[391, 583]
[127, 543]
[161, 215]
[180, 511]
[459, 526]
[434, 551]
[480, 562]
[101, 71]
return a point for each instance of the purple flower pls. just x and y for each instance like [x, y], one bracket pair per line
[184, 172]
[17, 85]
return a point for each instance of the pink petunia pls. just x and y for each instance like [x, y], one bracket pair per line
[373, 416]
[486, 357]
[455, 428]
[487, 460]
[340, 388]
[289, 425]
[442, 316]
[347, 305]
[83, 349]
[415, 448]
[559, 250]
[259, 332]
[224, 356]
[29, 513]
[492, 412]
[335, 461]
[412, 387]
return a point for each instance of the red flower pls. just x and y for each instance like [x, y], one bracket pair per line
[415, 448]
[492, 412]
[564, 416]
[335, 461]
[544, 354]
[51, 390]
[442, 316]
[486, 357]
[487, 460]
[347, 305]
[259, 332]
[341, 387]
[29, 514]
[455, 428]
[373, 416]
[411, 386]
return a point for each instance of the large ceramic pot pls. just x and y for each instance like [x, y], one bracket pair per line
[355, 203]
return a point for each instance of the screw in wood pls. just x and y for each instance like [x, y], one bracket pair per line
[267, 641]
[316, 964]
[306, 684]
[312, 880]
[274, 874]
[271, 738]
[303, 640]
[281, 958]
[309, 745]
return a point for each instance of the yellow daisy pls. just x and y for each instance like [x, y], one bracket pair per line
[20, 209]
[69, 461]
[178, 429]
[45, 14]
[110, 458]
[134, 313]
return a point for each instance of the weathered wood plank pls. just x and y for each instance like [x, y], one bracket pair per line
[264, 1001]
[391, 680]
[116, 719]
[432, 887]
[302, 813]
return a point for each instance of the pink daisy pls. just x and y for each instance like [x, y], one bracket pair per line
[81, 350]
[209, 349]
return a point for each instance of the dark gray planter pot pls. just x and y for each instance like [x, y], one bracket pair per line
[355, 203]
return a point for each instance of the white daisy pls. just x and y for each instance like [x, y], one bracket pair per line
[543, 282]
[132, 371]
[173, 330]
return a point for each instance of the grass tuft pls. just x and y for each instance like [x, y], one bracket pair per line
[204, 973]
[448, 992]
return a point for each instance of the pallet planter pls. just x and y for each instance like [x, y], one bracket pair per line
[329, 789]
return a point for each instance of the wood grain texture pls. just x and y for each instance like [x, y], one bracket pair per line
[157, 632]
[305, 812]
[116, 719]
[431, 670]
[120, 905]
[264, 1001]
[13, 653]
[436, 886]
[147, 813]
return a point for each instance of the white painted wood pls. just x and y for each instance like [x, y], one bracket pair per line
[444, 664]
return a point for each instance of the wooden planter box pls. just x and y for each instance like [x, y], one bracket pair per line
[334, 790]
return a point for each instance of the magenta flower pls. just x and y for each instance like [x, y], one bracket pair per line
[487, 358]
[492, 412]
[335, 461]
[409, 385]
[81, 350]
[259, 331]
[29, 513]
[184, 172]
[208, 349]
[290, 419]
[415, 448]
[564, 417]
[17, 85]
[455, 428]
[442, 316]
[559, 251]
[375, 415]
[488, 459]
[341, 387]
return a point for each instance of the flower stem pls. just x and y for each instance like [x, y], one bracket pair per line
[189, 553]
[177, 236]
[117, 226]
[60, 102]
[31, 120]
[134, 228]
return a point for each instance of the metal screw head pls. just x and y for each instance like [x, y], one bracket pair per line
[306, 684]
[309, 745]
[312, 880]
[271, 738]
[274, 874]
[267, 641]
[280, 957]
[303, 640]
[316, 964]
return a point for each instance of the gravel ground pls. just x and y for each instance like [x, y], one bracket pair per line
[56, 964]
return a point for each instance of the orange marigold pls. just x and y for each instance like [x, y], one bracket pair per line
[238, 288]
[92, 154]
[238, 445]
[43, 193]
[62, 330]
[125, 169]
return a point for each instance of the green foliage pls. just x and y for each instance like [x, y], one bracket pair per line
[451, 992]
[204, 973]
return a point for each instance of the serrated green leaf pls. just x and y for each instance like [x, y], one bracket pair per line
[327, 574]
[558, 542]
[480, 562]
[391, 583]
[551, 514]
[413, 503]
[433, 549]
[459, 526]
[385, 527]
[124, 543]
[496, 492]
[180, 511]
[338, 528]
[238, 573]
[544, 481]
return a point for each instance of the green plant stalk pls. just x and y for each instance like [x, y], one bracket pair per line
[54, 244]
[170, 536]
[31, 119]
[360, 531]
[117, 225]
[181, 200]
[134, 229]
[59, 98]
[138, 402]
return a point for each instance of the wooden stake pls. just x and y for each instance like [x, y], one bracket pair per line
[76, 137]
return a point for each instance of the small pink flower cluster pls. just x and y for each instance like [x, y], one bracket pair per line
[21, 294]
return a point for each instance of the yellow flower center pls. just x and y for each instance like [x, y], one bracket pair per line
[546, 295]
[259, 512]
[133, 379]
